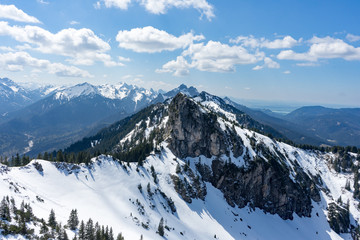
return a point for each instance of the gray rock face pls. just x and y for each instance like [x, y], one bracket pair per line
[193, 132]
[265, 184]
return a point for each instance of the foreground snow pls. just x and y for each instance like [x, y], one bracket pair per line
[108, 193]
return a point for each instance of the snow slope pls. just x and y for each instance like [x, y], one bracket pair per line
[108, 192]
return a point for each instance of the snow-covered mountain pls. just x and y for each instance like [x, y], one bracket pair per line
[14, 97]
[68, 115]
[115, 92]
[189, 91]
[193, 163]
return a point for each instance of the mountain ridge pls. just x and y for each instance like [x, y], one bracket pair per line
[234, 181]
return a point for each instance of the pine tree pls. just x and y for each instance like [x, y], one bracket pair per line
[98, 235]
[52, 219]
[347, 185]
[161, 227]
[120, 237]
[59, 156]
[17, 160]
[63, 235]
[82, 231]
[89, 230]
[73, 221]
[5, 210]
[111, 234]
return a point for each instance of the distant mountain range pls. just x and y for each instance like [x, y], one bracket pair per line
[68, 115]
[334, 126]
[48, 119]
[14, 97]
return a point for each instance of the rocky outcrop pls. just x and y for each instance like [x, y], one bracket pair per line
[265, 183]
[194, 132]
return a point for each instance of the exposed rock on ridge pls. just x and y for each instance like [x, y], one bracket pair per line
[265, 184]
[194, 132]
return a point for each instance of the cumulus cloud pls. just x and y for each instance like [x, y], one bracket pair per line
[16, 61]
[268, 63]
[219, 57]
[13, 13]
[251, 41]
[161, 6]
[352, 38]
[82, 45]
[211, 57]
[151, 40]
[122, 4]
[179, 67]
[323, 48]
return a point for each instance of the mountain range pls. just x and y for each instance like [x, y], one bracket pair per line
[190, 168]
[48, 118]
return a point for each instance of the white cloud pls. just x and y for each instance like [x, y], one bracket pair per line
[6, 49]
[352, 38]
[257, 67]
[42, 2]
[324, 48]
[123, 59]
[74, 22]
[269, 63]
[82, 45]
[307, 64]
[218, 57]
[151, 40]
[286, 42]
[286, 72]
[16, 61]
[161, 6]
[179, 67]
[122, 4]
[13, 13]
[211, 57]
[251, 41]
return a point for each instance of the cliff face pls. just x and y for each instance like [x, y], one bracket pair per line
[265, 184]
[193, 132]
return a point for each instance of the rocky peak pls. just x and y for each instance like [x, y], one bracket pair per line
[193, 131]
[265, 183]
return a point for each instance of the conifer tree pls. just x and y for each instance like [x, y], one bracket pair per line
[5, 210]
[161, 227]
[120, 237]
[59, 156]
[52, 219]
[73, 220]
[82, 231]
[111, 234]
[89, 230]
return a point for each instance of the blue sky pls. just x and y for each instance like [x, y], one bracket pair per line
[288, 51]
